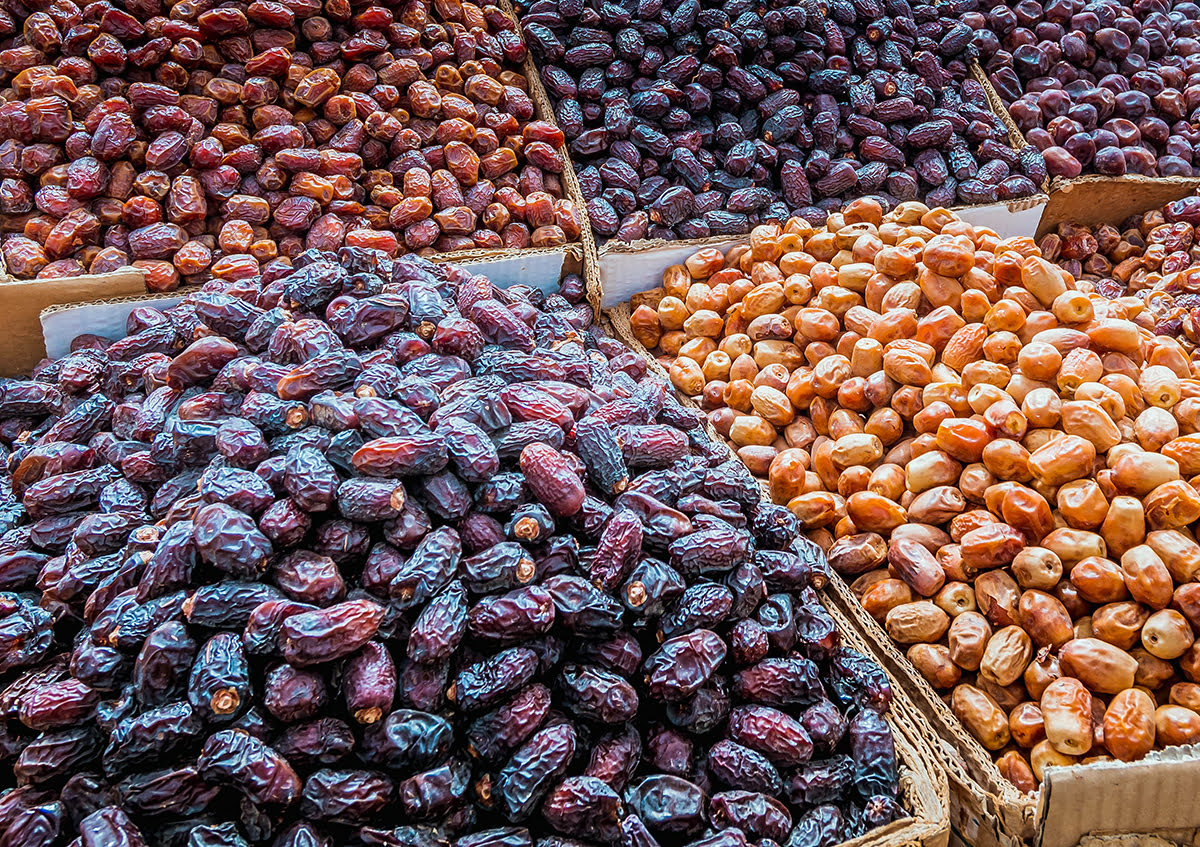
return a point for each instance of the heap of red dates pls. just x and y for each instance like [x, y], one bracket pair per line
[195, 142]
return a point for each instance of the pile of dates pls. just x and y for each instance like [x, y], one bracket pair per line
[687, 119]
[1153, 256]
[1100, 86]
[195, 142]
[1001, 458]
[381, 554]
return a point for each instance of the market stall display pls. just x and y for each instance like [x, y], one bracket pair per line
[385, 554]
[193, 141]
[372, 533]
[995, 453]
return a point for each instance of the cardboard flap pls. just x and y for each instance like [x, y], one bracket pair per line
[22, 301]
[542, 270]
[1155, 795]
[61, 324]
[1009, 219]
[1095, 200]
[625, 272]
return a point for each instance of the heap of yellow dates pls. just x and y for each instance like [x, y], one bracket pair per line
[1003, 461]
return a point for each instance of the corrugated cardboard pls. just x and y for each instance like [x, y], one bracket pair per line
[985, 809]
[1096, 200]
[1009, 218]
[1154, 796]
[60, 324]
[22, 301]
[1127, 840]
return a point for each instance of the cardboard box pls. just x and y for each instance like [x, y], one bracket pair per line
[1151, 797]
[627, 268]
[61, 323]
[1094, 200]
[22, 301]
[1155, 797]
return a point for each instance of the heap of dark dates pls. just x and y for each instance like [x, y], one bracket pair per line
[1100, 86]
[376, 553]
[195, 139]
[692, 119]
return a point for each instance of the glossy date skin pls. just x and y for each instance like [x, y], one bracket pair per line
[354, 635]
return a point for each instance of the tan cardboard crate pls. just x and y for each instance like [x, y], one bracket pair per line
[1155, 797]
[22, 301]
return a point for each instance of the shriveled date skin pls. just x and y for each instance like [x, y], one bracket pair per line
[682, 665]
[328, 634]
[252, 767]
[551, 479]
[531, 771]
[496, 733]
[583, 806]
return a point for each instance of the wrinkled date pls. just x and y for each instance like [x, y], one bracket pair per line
[452, 575]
